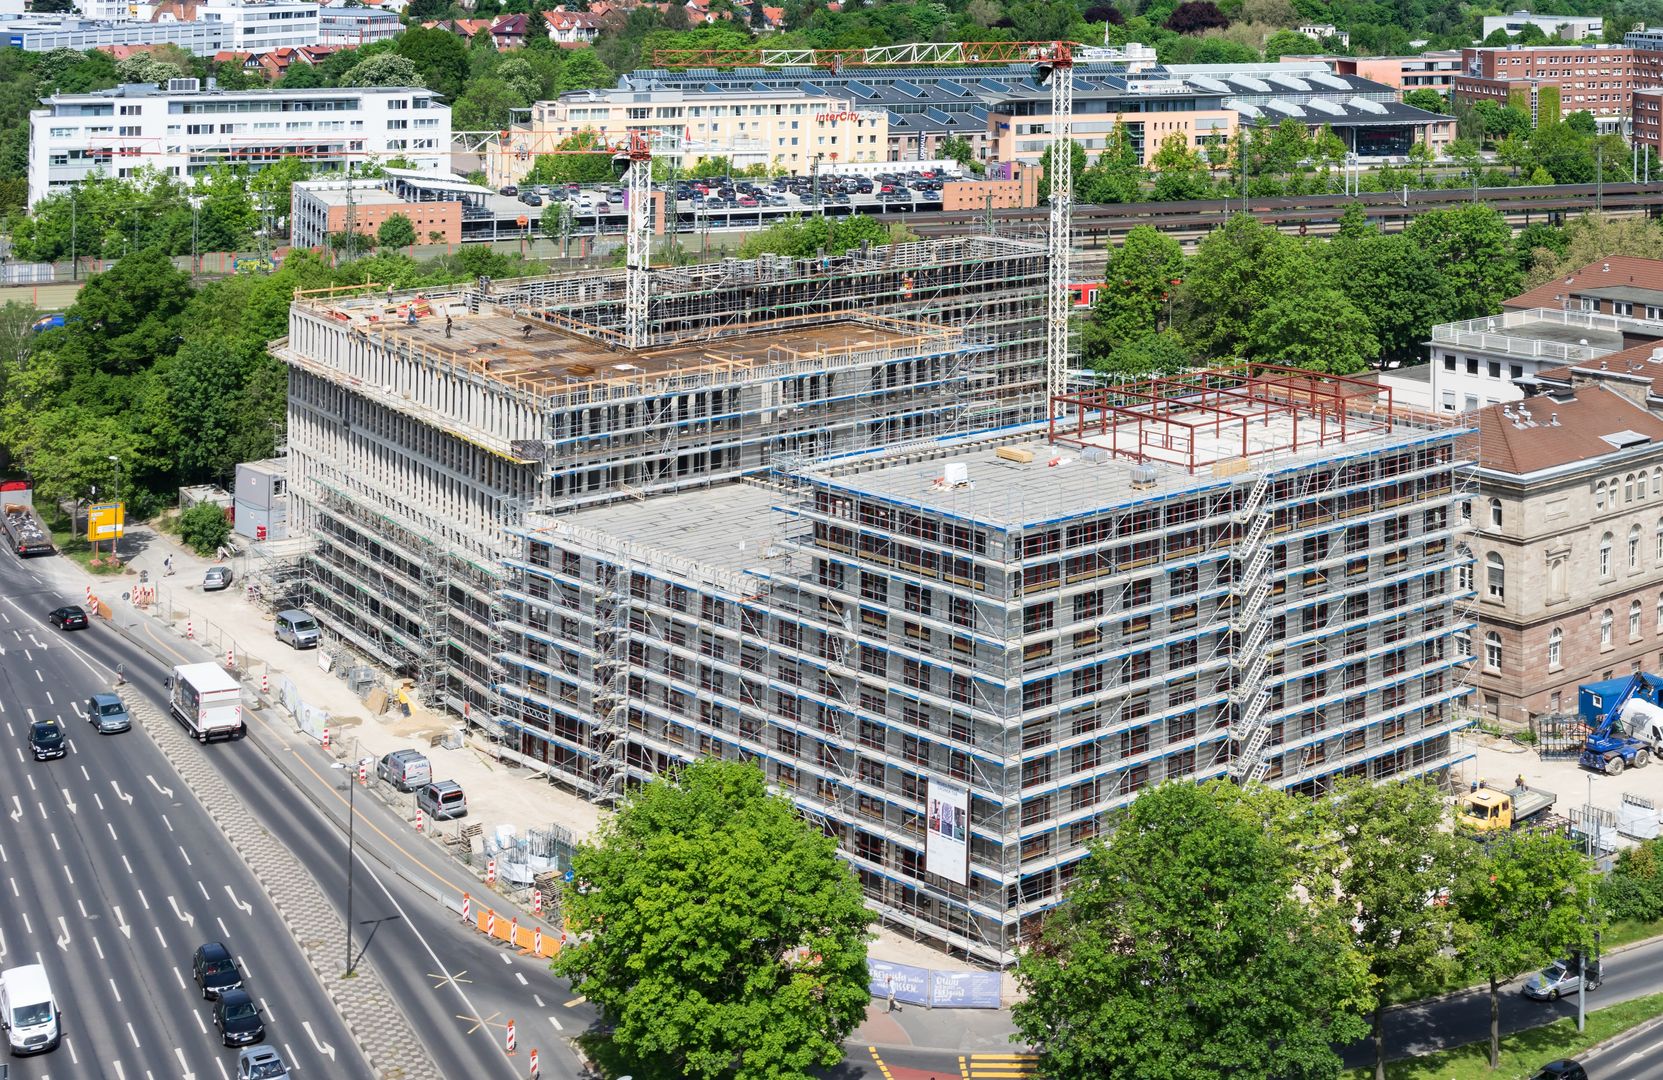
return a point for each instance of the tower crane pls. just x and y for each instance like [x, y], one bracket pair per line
[1053, 63]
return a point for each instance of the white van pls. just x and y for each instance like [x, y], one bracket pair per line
[28, 1011]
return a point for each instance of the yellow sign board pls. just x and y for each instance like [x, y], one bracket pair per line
[106, 521]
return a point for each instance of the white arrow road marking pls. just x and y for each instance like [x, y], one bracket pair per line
[2, 944]
[243, 905]
[63, 936]
[184, 916]
[185, 1065]
[167, 792]
[319, 1046]
[128, 799]
[67, 800]
[17, 808]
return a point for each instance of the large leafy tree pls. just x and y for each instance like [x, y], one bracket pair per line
[1237, 270]
[1186, 949]
[1139, 282]
[1473, 246]
[383, 69]
[718, 932]
[1400, 867]
[1316, 328]
[1180, 172]
[1394, 283]
[396, 232]
[1523, 901]
[1118, 175]
[439, 55]
[1587, 239]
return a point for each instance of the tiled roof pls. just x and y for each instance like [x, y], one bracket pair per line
[1559, 431]
[1615, 272]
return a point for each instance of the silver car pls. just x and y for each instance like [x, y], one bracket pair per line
[108, 714]
[216, 578]
[1560, 978]
[261, 1063]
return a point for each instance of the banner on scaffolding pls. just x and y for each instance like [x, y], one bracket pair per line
[947, 843]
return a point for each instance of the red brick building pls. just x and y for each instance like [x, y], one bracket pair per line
[1551, 81]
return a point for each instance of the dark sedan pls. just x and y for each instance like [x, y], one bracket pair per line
[68, 618]
[215, 970]
[238, 1019]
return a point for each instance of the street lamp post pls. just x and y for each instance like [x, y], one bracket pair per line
[351, 822]
[121, 516]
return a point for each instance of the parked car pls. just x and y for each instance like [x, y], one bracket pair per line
[108, 714]
[508, 189]
[46, 740]
[215, 970]
[1560, 978]
[238, 1019]
[297, 629]
[747, 201]
[261, 1063]
[216, 578]
[1565, 1069]
[531, 198]
[406, 770]
[68, 618]
[443, 800]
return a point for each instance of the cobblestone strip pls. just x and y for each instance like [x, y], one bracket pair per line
[384, 1034]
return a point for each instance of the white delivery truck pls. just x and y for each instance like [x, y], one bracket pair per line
[208, 701]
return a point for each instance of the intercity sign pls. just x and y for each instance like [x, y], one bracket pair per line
[846, 115]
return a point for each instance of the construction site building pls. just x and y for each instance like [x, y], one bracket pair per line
[960, 657]
[422, 428]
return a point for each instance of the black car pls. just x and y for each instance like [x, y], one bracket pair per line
[238, 1019]
[508, 189]
[215, 970]
[1561, 1070]
[68, 618]
[46, 740]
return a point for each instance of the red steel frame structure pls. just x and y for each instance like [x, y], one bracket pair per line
[1160, 419]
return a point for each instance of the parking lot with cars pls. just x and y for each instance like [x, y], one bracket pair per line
[721, 201]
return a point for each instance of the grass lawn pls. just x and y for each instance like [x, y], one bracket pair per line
[1524, 1052]
[76, 546]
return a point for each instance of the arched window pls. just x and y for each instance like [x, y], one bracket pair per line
[1634, 621]
[1492, 651]
[1657, 481]
[1660, 541]
[1495, 513]
[1634, 547]
[1495, 576]
[1599, 495]
[1605, 621]
[1605, 556]
[1556, 644]
[1628, 488]
[1463, 568]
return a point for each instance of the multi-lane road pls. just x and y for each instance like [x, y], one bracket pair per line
[111, 874]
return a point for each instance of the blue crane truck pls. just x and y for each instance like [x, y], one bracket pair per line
[1625, 721]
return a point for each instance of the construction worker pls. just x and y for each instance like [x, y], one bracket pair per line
[447, 327]
[1518, 782]
[404, 699]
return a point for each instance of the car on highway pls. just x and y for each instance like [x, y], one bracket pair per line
[1560, 978]
[238, 1019]
[69, 617]
[216, 578]
[46, 740]
[215, 970]
[261, 1063]
[108, 713]
[1560, 1070]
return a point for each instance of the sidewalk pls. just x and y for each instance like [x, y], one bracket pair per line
[500, 792]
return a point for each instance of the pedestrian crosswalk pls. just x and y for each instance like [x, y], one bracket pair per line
[997, 1066]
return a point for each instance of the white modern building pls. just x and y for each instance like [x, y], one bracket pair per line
[352, 27]
[184, 131]
[1564, 27]
[1487, 361]
[263, 25]
[43, 33]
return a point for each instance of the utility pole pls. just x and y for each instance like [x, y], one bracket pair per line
[74, 263]
[1599, 177]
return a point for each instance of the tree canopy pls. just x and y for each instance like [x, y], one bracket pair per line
[718, 931]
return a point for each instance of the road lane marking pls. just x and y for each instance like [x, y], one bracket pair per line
[538, 998]
[129, 867]
[319, 1045]
[100, 803]
[142, 900]
[223, 932]
[159, 936]
[520, 975]
[31, 780]
[27, 929]
[267, 1010]
[185, 853]
[122, 795]
[116, 990]
[180, 976]
[74, 1058]
[63, 934]
[84, 774]
[69, 874]
[242, 905]
[17, 800]
[199, 1022]
[166, 792]
[555, 1020]
[576, 1001]
[184, 916]
[134, 1034]
[168, 823]
[204, 889]
[121, 922]
[68, 801]
[98, 948]
[14, 888]
[111, 826]
[82, 904]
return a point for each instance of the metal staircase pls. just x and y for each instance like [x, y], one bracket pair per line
[611, 769]
[1249, 630]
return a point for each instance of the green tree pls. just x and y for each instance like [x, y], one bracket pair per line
[1396, 285]
[1140, 280]
[1285, 42]
[1582, 122]
[486, 105]
[1522, 901]
[1184, 949]
[1426, 98]
[804, 238]
[1180, 173]
[1154, 352]
[1587, 239]
[1473, 247]
[204, 527]
[17, 340]
[1236, 270]
[383, 69]
[556, 223]
[583, 70]
[954, 148]
[1563, 151]
[1077, 163]
[718, 932]
[1317, 328]
[1398, 853]
[396, 232]
[1117, 176]
[125, 317]
[439, 55]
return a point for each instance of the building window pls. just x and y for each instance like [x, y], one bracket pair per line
[1448, 401]
[1599, 495]
[1634, 621]
[1495, 513]
[1605, 556]
[1556, 642]
[1463, 569]
[1605, 621]
[1495, 576]
[1492, 651]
